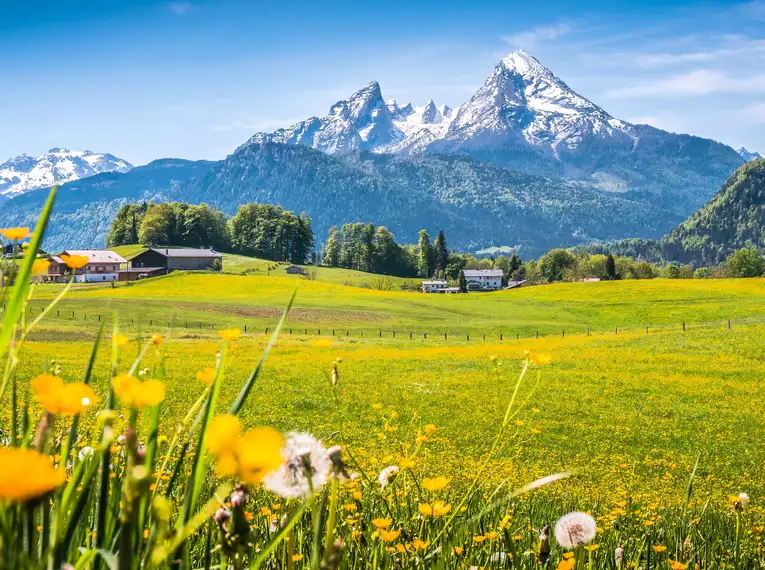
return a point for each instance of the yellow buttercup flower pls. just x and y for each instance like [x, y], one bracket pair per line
[27, 474]
[676, 565]
[252, 456]
[136, 394]
[539, 359]
[222, 434]
[74, 261]
[381, 523]
[230, 334]
[40, 266]
[206, 375]
[59, 398]
[567, 564]
[437, 509]
[156, 339]
[259, 453]
[659, 548]
[435, 483]
[151, 393]
[430, 429]
[388, 535]
[458, 550]
[15, 234]
[120, 340]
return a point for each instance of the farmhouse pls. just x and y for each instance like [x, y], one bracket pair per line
[434, 286]
[294, 270]
[103, 265]
[483, 279]
[177, 259]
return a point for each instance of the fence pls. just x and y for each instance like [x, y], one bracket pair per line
[471, 335]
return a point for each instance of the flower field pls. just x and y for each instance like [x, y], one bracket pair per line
[129, 445]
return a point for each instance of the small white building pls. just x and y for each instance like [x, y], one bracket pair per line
[102, 266]
[483, 279]
[434, 286]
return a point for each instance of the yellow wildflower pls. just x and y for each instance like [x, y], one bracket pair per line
[388, 535]
[59, 398]
[676, 565]
[156, 339]
[74, 261]
[659, 548]
[15, 234]
[230, 334]
[567, 564]
[120, 340]
[40, 266]
[27, 474]
[539, 359]
[381, 523]
[206, 375]
[435, 483]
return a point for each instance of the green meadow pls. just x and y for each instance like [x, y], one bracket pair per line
[651, 385]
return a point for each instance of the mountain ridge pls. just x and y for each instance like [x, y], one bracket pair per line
[23, 173]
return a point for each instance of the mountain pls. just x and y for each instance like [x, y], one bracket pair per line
[85, 208]
[733, 219]
[476, 204]
[57, 166]
[527, 119]
[749, 155]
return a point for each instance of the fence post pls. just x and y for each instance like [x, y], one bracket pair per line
[318, 332]
[410, 336]
[537, 334]
[99, 318]
[347, 333]
[245, 328]
[150, 322]
[563, 333]
[290, 331]
[380, 334]
[588, 331]
[683, 325]
[728, 323]
[333, 332]
[445, 337]
[617, 330]
[425, 336]
[484, 336]
[646, 330]
[500, 336]
[394, 334]
[468, 337]
[517, 336]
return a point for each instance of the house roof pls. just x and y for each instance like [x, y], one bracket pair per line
[141, 269]
[181, 252]
[483, 272]
[97, 255]
[434, 282]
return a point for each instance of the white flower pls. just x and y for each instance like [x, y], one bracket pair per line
[744, 499]
[575, 529]
[85, 452]
[305, 468]
[387, 475]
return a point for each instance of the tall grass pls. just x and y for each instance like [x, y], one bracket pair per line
[89, 484]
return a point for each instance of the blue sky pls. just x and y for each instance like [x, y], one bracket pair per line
[195, 79]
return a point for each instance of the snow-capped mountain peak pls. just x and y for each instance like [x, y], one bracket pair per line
[58, 166]
[748, 155]
[522, 106]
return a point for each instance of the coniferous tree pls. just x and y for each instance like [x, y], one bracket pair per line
[332, 248]
[440, 252]
[463, 282]
[425, 265]
[611, 273]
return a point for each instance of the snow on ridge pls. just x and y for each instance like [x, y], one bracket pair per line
[58, 166]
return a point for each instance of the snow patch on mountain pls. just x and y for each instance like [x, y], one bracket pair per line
[749, 155]
[57, 166]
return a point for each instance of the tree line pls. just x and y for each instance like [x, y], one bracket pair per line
[259, 230]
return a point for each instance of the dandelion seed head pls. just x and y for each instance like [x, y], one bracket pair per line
[575, 529]
[305, 468]
[387, 475]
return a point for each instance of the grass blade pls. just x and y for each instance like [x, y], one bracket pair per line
[250, 382]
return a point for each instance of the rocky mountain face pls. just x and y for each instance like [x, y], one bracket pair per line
[749, 155]
[57, 166]
[527, 119]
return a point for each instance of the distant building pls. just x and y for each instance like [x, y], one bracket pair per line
[483, 279]
[591, 280]
[515, 284]
[295, 270]
[450, 290]
[434, 286]
[176, 259]
[102, 266]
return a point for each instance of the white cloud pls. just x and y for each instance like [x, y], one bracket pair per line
[536, 34]
[735, 47]
[695, 83]
[179, 8]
